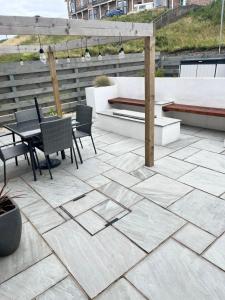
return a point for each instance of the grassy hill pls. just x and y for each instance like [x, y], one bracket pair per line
[198, 31]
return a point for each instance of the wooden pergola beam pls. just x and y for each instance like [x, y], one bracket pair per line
[74, 44]
[15, 25]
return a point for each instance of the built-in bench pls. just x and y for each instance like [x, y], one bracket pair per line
[199, 110]
[127, 101]
[132, 124]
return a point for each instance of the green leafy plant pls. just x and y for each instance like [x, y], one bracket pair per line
[52, 112]
[102, 81]
[5, 203]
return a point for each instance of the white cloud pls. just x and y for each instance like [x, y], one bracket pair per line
[44, 8]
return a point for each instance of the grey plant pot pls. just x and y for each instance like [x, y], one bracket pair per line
[10, 230]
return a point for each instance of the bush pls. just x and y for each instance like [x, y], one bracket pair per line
[102, 81]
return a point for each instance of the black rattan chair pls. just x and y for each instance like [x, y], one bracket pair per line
[84, 117]
[57, 136]
[12, 150]
[27, 115]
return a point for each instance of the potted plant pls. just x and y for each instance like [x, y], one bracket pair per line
[98, 95]
[10, 224]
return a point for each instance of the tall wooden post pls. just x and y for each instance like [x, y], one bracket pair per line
[149, 100]
[55, 84]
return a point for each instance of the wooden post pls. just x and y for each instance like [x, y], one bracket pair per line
[149, 100]
[55, 84]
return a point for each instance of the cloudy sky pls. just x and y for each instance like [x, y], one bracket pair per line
[44, 8]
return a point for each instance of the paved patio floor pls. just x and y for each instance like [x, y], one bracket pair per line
[116, 230]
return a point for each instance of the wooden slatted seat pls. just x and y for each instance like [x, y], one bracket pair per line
[127, 101]
[199, 110]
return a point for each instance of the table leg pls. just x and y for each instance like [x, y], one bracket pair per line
[33, 164]
[63, 155]
[13, 136]
[78, 150]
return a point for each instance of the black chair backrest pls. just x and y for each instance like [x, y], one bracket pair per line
[56, 135]
[84, 116]
[27, 115]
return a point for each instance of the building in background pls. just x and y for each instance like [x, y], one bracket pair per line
[97, 9]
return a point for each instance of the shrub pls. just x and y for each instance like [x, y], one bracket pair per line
[102, 81]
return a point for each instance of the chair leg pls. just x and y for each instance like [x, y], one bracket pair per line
[71, 155]
[75, 157]
[37, 159]
[27, 158]
[14, 139]
[4, 173]
[78, 150]
[93, 144]
[49, 165]
[81, 143]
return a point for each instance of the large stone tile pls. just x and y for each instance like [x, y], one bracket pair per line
[61, 189]
[148, 225]
[17, 187]
[159, 151]
[194, 238]
[32, 249]
[90, 168]
[42, 216]
[121, 177]
[91, 221]
[210, 145]
[142, 173]
[108, 209]
[105, 157]
[216, 253]
[203, 210]
[83, 204]
[206, 180]
[98, 181]
[172, 167]
[95, 261]
[33, 281]
[110, 138]
[173, 273]
[184, 141]
[120, 194]
[208, 160]
[66, 289]
[184, 152]
[162, 190]
[127, 162]
[211, 134]
[121, 290]
[123, 146]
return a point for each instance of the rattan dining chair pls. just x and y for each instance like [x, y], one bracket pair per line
[57, 136]
[27, 115]
[84, 118]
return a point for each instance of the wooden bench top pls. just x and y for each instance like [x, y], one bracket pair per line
[200, 110]
[127, 101]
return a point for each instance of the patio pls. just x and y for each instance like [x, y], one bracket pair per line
[115, 229]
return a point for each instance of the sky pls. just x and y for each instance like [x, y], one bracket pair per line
[43, 8]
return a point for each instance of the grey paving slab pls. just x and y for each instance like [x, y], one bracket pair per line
[120, 194]
[142, 173]
[159, 153]
[184, 152]
[211, 134]
[108, 209]
[60, 190]
[161, 189]
[32, 249]
[91, 221]
[148, 225]
[194, 238]
[91, 168]
[172, 167]
[85, 203]
[89, 258]
[123, 146]
[121, 290]
[216, 253]
[127, 162]
[34, 280]
[184, 141]
[66, 289]
[110, 138]
[173, 273]
[190, 130]
[209, 160]
[105, 156]
[98, 181]
[42, 216]
[203, 210]
[205, 180]
[210, 145]
[17, 187]
[121, 177]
